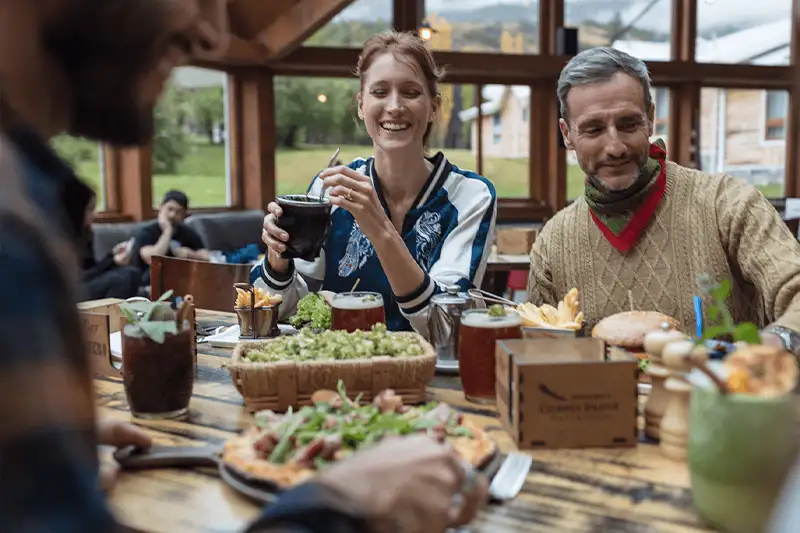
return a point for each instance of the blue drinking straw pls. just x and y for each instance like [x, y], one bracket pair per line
[698, 316]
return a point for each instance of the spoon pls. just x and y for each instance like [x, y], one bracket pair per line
[330, 164]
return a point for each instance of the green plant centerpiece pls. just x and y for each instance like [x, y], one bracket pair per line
[158, 363]
[741, 442]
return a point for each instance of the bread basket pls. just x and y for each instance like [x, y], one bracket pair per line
[283, 384]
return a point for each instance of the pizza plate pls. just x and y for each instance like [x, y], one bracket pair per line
[255, 489]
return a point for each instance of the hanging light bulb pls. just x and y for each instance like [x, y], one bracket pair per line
[426, 31]
[322, 98]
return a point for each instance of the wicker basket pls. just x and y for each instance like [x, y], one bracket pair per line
[280, 385]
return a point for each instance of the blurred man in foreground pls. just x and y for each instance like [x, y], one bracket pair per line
[96, 68]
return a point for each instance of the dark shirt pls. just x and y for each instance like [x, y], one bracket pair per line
[48, 454]
[148, 235]
[91, 267]
[48, 441]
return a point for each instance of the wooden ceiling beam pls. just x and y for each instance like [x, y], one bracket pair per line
[248, 18]
[298, 23]
[511, 69]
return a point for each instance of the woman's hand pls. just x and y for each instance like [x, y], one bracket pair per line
[354, 192]
[274, 237]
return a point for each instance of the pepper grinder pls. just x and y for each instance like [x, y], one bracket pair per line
[654, 344]
[674, 430]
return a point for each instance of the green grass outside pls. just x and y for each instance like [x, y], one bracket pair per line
[201, 174]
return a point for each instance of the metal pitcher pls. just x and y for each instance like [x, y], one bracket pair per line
[444, 320]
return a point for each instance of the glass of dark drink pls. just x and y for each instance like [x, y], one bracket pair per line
[307, 220]
[353, 311]
[158, 377]
[477, 335]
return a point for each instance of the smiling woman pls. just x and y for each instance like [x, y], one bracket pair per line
[405, 223]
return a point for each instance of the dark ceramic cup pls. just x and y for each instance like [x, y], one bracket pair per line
[307, 220]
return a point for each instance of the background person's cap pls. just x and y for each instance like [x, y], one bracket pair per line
[176, 196]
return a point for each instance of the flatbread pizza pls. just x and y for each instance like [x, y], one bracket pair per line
[287, 449]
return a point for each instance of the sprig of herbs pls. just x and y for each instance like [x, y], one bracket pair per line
[154, 319]
[718, 312]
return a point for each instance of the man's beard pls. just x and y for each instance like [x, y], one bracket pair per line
[105, 48]
[617, 186]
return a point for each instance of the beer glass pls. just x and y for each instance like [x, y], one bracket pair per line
[476, 350]
[352, 311]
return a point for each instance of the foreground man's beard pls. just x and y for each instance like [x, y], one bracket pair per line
[106, 48]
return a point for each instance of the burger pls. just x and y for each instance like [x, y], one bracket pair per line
[624, 333]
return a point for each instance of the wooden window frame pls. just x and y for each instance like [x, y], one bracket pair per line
[253, 157]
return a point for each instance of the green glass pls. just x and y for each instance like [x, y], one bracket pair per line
[740, 450]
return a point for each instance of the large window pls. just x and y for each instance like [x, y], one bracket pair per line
[314, 116]
[734, 123]
[86, 159]
[640, 28]
[354, 24]
[504, 137]
[743, 31]
[484, 26]
[576, 176]
[190, 147]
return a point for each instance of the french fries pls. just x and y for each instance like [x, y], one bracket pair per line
[262, 298]
[566, 316]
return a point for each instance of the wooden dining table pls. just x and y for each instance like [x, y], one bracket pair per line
[622, 490]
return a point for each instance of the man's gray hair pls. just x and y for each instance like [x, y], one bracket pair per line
[598, 65]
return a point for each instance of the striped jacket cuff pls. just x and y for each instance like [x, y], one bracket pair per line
[278, 281]
[419, 298]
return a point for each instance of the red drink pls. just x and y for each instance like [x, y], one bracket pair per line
[158, 378]
[352, 311]
[476, 350]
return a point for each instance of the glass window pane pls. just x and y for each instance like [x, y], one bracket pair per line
[190, 148]
[484, 26]
[743, 134]
[355, 24]
[661, 98]
[314, 116]
[86, 159]
[640, 28]
[452, 133]
[505, 134]
[743, 31]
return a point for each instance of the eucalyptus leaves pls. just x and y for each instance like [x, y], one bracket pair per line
[152, 319]
[723, 319]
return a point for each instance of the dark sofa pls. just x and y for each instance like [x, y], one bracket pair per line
[225, 231]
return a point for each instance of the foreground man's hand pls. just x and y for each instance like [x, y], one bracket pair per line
[408, 484]
[118, 434]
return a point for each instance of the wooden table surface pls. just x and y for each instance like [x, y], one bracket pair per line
[623, 490]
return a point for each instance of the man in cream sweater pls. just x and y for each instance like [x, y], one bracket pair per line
[646, 227]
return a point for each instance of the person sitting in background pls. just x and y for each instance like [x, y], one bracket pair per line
[648, 227]
[404, 224]
[168, 235]
[111, 277]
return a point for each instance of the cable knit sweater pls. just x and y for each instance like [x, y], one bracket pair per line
[704, 224]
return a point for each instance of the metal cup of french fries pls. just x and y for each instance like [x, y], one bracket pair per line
[547, 321]
[257, 311]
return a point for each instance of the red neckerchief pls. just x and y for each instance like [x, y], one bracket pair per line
[641, 218]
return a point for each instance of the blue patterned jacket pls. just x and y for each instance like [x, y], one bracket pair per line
[448, 231]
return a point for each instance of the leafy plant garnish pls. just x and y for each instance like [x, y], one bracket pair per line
[718, 312]
[153, 319]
